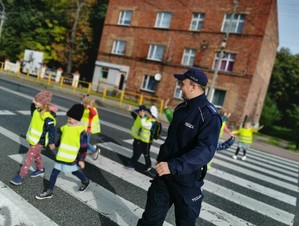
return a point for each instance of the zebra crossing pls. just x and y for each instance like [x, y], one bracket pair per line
[264, 188]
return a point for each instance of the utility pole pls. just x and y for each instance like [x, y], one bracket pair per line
[72, 44]
[221, 54]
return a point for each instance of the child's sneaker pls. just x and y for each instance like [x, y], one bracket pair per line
[148, 169]
[45, 195]
[130, 166]
[84, 186]
[37, 172]
[244, 158]
[17, 180]
[96, 154]
[234, 157]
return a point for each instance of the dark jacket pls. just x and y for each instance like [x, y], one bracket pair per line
[191, 141]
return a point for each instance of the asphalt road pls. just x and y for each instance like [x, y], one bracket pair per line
[263, 190]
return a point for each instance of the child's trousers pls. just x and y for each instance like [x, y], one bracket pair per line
[33, 153]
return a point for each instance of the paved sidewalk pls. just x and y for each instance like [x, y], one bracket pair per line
[259, 145]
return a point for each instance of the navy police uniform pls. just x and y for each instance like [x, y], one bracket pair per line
[190, 145]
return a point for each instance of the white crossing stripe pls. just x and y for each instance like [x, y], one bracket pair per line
[98, 198]
[118, 209]
[143, 182]
[60, 113]
[125, 212]
[256, 175]
[254, 186]
[261, 169]
[153, 148]
[5, 112]
[17, 211]
[24, 112]
[214, 214]
[242, 182]
[223, 192]
[255, 205]
[267, 157]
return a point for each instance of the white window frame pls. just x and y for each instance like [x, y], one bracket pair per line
[178, 94]
[119, 47]
[156, 52]
[197, 21]
[163, 20]
[227, 60]
[218, 98]
[125, 17]
[147, 82]
[188, 58]
[237, 25]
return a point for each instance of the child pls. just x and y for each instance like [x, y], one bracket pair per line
[245, 138]
[92, 123]
[72, 149]
[41, 131]
[141, 131]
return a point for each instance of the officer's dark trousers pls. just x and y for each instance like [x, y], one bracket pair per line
[140, 147]
[160, 197]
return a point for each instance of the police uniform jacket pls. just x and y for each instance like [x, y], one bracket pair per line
[191, 141]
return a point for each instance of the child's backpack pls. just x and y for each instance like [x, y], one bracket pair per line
[157, 130]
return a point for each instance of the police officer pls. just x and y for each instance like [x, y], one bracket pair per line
[181, 164]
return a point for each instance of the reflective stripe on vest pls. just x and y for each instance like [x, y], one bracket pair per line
[245, 136]
[145, 134]
[136, 128]
[36, 127]
[70, 143]
[95, 126]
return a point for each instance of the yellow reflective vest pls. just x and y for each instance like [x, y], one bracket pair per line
[139, 132]
[95, 126]
[36, 127]
[69, 143]
[245, 135]
[136, 128]
[145, 134]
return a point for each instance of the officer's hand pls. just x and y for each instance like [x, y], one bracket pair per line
[162, 168]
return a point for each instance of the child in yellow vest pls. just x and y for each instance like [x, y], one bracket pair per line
[41, 132]
[72, 148]
[245, 135]
[92, 123]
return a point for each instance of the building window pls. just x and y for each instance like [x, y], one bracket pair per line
[156, 52]
[125, 17]
[188, 57]
[237, 23]
[119, 47]
[197, 21]
[149, 83]
[163, 20]
[218, 98]
[227, 62]
[104, 73]
[178, 92]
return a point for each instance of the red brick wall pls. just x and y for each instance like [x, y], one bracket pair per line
[255, 47]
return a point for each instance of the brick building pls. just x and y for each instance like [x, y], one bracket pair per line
[234, 41]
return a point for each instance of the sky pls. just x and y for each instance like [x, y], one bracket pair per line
[288, 24]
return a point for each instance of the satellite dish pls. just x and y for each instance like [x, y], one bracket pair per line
[158, 77]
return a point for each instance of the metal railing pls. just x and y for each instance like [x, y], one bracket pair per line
[108, 93]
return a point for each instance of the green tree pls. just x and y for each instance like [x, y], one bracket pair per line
[55, 27]
[270, 114]
[283, 88]
[293, 114]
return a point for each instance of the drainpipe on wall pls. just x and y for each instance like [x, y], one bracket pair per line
[223, 45]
